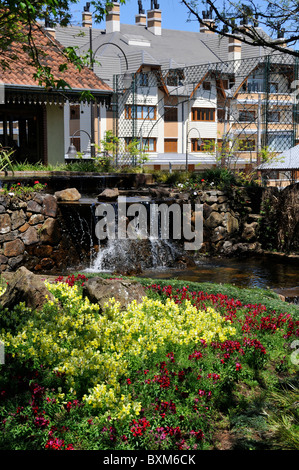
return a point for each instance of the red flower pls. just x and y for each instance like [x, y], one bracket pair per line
[36, 182]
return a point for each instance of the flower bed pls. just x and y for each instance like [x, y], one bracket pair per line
[163, 374]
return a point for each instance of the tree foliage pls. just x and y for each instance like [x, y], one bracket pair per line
[249, 20]
[18, 23]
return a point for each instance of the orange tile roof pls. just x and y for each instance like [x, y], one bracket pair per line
[21, 72]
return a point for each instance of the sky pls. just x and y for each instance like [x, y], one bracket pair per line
[174, 14]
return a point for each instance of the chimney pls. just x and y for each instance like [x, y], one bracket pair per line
[207, 21]
[113, 18]
[49, 29]
[204, 26]
[234, 49]
[140, 19]
[154, 19]
[281, 38]
[86, 16]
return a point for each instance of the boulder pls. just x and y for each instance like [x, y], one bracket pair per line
[24, 286]
[99, 290]
[34, 206]
[159, 193]
[30, 236]
[214, 220]
[50, 232]
[5, 223]
[50, 206]
[231, 223]
[13, 248]
[110, 194]
[18, 219]
[250, 231]
[69, 194]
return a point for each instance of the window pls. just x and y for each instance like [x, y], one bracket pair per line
[140, 112]
[206, 86]
[204, 145]
[143, 79]
[147, 144]
[175, 77]
[170, 114]
[278, 141]
[74, 112]
[273, 87]
[203, 114]
[246, 116]
[221, 114]
[273, 116]
[257, 85]
[246, 145]
[253, 86]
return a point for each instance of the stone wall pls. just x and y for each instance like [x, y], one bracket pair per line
[230, 225]
[32, 234]
[250, 220]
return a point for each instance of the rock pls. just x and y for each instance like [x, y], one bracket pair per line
[17, 219]
[214, 220]
[7, 237]
[109, 194]
[49, 232]
[15, 261]
[13, 248]
[33, 206]
[218, 234]
[69, 194]
[24, 286]
[250, 231]
[24, 228]
[36, 219]
[5, 223]
[231, 223]
[30, 236]
[100, 290]
[211, 199]
[50, 206]
[159, 193]
[42, 251]
[3, 259]
[227, 247]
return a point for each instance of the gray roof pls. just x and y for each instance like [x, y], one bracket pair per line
[287, 160]
[173, 49]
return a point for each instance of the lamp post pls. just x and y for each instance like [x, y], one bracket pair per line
[199, 139]
[72, 151]
[127, 78]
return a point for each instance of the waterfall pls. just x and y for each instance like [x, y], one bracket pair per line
[139, 253]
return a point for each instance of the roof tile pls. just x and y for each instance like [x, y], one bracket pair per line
[21, 70]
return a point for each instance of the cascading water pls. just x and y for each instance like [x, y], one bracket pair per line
[135, 254]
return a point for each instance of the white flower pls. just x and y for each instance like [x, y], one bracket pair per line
[195, 193]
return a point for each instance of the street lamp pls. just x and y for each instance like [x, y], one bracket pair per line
[127, 75]
[127, 78]
[72, 151]
[198, 139]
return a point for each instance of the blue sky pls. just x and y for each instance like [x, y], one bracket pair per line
[174, 14]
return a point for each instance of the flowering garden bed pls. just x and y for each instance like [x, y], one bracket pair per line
[183, 370]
